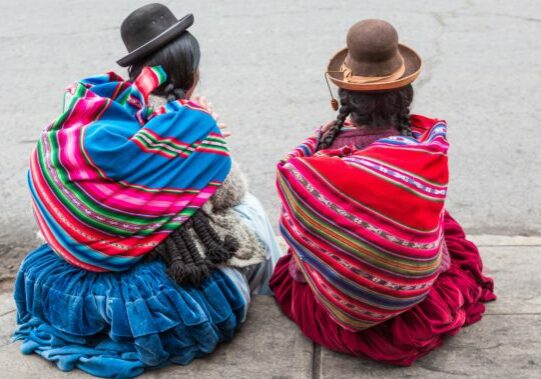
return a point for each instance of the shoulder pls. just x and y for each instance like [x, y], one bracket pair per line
[162, 106]
[190, 104]
[424, 122]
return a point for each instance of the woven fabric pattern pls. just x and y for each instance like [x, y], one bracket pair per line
[111, 177]
[365, 227]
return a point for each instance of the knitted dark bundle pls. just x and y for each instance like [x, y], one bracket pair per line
[185, 263]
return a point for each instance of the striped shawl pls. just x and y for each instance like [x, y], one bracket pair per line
[365, 226]
[111, 177]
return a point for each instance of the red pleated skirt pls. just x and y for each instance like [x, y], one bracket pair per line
[456, 300]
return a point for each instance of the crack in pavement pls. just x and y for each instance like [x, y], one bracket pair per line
[516, 17]
[435, 58]
[7, 313]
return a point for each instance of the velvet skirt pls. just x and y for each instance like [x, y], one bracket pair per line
[116, 325]
[455, 300]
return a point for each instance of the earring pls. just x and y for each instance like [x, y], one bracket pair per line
[334, 102]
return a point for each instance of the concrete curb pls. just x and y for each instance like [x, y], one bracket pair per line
[484, 240]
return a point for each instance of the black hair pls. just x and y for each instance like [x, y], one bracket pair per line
[372, 110]
[185, 263]
[180, 60]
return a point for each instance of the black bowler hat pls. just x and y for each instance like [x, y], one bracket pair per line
[148, 28]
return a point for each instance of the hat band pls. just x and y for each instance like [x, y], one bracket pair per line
[357, 79]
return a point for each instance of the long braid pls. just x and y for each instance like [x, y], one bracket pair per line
[328, 137]
[185, 263]
[405, 125]
[217, 251]
[372, 110]
[190, 244]
[197, 268]
[180, 260]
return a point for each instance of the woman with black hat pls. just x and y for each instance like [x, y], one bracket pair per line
[153, 245]
[376, 266]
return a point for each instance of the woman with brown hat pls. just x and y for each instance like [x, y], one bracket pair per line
[376, 266]
[153, 244]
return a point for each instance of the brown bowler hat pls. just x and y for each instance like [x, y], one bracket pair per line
[373, 59]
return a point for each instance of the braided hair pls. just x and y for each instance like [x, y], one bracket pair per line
[186, 264]
[328, 137]
[373, 110]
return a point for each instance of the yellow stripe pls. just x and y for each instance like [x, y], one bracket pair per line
[354, 246]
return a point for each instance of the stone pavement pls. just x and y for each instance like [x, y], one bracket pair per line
[506, 343]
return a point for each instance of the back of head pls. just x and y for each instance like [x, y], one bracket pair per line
[154, 36]
[374, 75]
[372, 110]
[180, 59]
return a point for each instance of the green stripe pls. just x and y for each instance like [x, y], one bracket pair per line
[123, 97]
[149, 146]
[160, 73]
[162, 141]
[215, 139]
[83, 198]
[214, 147]
[87, 202]
[137, 221]
[291, 198]
[79, 92]
[183, 149]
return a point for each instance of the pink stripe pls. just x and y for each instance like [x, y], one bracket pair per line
[362, 212]
[114, 195]
[84, 111]
[94, 239]
[169, 139]
[57, 247]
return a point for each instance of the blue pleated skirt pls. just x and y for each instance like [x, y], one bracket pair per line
[118, 324]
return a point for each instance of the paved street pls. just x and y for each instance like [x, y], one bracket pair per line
[262, 67]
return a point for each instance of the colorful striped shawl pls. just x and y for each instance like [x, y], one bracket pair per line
[365, 226]
[111, 178]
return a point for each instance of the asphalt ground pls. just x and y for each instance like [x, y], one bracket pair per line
[262, 67]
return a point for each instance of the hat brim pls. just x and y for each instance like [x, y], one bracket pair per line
[160, 40]
[412, 61]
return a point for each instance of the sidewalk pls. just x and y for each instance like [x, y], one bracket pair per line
[506, 343]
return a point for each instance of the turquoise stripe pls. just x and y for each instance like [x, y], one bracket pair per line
[80, 252]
